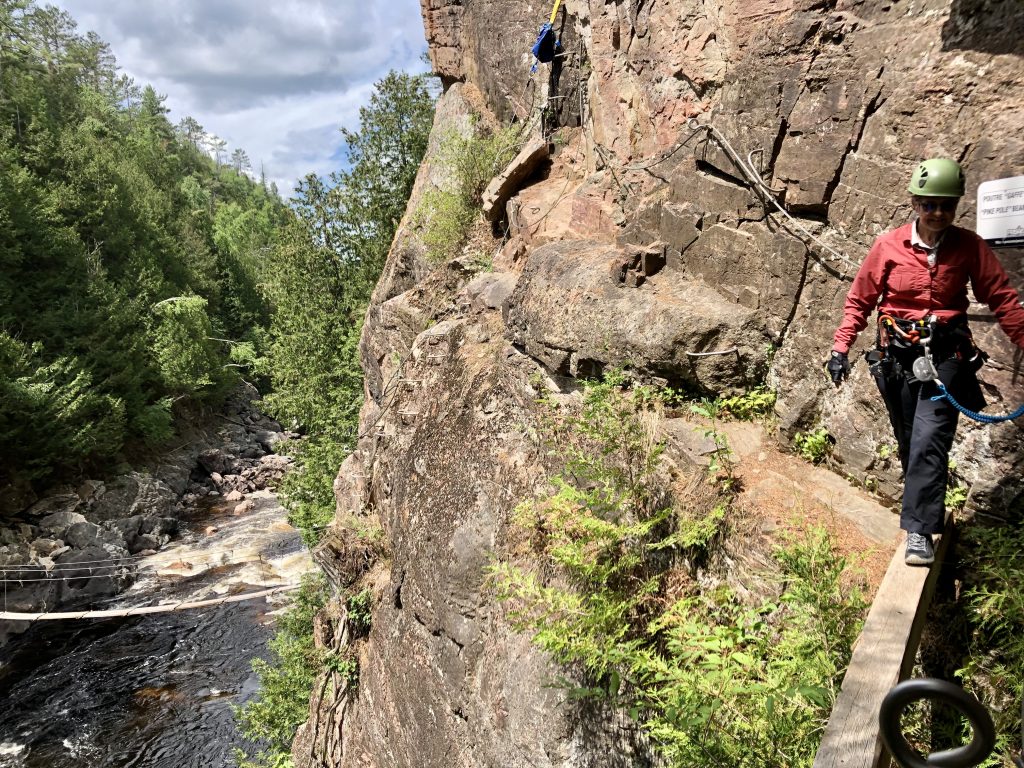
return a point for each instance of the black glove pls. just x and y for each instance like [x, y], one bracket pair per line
[979, 359]
[838, 367]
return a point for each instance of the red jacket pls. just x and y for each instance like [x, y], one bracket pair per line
[899, 275]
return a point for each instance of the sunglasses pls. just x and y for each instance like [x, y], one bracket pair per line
[946, 206]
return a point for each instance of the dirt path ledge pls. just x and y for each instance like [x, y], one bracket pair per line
[783, 490]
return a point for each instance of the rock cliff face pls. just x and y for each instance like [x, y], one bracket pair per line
[651, 237]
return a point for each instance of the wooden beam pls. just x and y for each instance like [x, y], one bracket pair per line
[883, 656]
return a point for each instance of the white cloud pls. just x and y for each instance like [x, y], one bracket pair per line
[277, 79]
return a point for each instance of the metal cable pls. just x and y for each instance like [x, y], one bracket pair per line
[112, 562]
[716, 352]
[213, 559]
[144, 609]
[765, 191]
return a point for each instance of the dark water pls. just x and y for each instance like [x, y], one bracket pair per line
[154, 690]
[151, 691]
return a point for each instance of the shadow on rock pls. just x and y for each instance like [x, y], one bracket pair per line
[989, 26]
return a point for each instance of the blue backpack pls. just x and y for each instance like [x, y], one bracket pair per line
[547, 45]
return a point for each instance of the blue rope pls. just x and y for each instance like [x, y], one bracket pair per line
[983, 418]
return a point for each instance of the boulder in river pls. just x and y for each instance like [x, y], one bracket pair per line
[131, 494]
[216, 461]
[86, 535]
[141, 532]
[64, 503]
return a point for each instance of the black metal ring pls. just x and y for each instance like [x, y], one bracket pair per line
[909, 691]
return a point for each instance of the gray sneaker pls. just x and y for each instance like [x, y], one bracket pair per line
[919, 549]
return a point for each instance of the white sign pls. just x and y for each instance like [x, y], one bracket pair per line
[1001, 212]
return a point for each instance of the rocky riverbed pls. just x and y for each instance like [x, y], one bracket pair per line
[81, 544]
[159, 690]
[156, 690]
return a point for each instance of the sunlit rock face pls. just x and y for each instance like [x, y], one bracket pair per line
[831, 103]
[641, 243]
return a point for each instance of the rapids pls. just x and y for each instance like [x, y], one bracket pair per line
[155, 690]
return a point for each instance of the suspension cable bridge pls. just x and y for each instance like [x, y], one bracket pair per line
[172, 564]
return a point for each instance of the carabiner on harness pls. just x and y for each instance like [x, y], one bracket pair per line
[924, 366]
[904, 333]
[909, 333]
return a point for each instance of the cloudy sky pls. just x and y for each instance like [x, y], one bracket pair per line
[274, 77]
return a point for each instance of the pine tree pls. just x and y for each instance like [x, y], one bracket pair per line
[106, 211]
[329, 262]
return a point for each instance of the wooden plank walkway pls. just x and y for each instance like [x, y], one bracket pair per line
[144, 609]
[883, 656]
[884, 653]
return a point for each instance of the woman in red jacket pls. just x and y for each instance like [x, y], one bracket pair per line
[916, 277]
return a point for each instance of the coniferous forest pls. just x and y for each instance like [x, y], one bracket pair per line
[144, 268]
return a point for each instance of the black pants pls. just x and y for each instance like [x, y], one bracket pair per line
[924, 430]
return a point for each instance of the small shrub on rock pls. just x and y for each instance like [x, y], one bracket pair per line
[604, 582]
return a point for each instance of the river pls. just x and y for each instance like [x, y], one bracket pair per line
[157, 690]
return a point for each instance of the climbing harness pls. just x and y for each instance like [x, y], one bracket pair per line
[906, 333]
[547, 44]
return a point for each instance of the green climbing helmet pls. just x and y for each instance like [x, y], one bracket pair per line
[937, 177]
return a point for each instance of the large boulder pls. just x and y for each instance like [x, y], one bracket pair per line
[96, 571]
[142, 532]
[491, 290]
[217, 460]
[58, 522]
[53, 507]
[84, 536]
[132, 494]
[582, 307]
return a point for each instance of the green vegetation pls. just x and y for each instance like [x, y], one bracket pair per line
[125, 251]
[140, 274]
[993, 601]
[611, 590]
[754, 405]
[446, 215]
[956, 495]
[358, 608]
[814, 446]
[979, 641]
[346, 666]
[285, 681]
[956, 492]
[325, 270]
